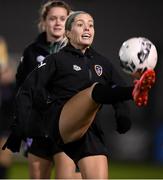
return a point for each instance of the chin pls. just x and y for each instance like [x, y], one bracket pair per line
[87, 43]
[57, 35]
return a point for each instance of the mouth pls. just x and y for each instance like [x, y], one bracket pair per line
[86, 36]
[57, 29]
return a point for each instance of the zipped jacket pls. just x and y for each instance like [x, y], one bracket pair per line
[34, 54]
[64, 74]
[70, 71]
[55, 81]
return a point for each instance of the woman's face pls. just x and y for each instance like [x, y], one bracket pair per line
[82, 31]
[55, 23]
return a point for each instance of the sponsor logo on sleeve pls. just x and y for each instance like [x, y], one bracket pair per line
[76, 68]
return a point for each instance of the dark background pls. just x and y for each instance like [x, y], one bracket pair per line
[115, 22]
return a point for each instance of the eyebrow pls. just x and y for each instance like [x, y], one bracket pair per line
[83, 20]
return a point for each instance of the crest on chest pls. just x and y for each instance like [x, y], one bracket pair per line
[98, 70]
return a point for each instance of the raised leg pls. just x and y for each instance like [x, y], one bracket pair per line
[77, 115]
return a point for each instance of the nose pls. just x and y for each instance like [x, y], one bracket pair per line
[86, 28]
[58, 21]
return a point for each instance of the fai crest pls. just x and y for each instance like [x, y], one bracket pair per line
[98, 70]
[40, 58]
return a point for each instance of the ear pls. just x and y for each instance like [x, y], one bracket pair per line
[68, 34]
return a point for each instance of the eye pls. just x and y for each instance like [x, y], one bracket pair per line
[79, 24]
[63, 18]
[91, 25]
[52, 18]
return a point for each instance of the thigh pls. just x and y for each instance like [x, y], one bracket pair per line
[77, 115]
[39, 168]
[5, 155]
[65, 168]
[94, 167]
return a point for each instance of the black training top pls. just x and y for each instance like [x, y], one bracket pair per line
[52, 83]
[34, 54]
[70, 71]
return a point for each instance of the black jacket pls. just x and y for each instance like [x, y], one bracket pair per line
[34, 54]
[70, 71]
[64, 74]
[55, 81]
[29, 60]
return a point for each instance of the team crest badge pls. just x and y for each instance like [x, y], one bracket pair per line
[40, 58]
[98, 70]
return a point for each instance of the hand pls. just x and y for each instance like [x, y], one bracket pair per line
[122, 116]
[13, 142]
[123, 124]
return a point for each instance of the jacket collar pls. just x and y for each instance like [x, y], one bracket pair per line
[42, 42]
[72, 49]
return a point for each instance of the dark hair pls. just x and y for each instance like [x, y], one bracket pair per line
[45, 8]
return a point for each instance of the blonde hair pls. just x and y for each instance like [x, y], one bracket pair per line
[45, 8]
[71, 19]
[3, 53]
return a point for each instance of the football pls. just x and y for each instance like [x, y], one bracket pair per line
[137, 54]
